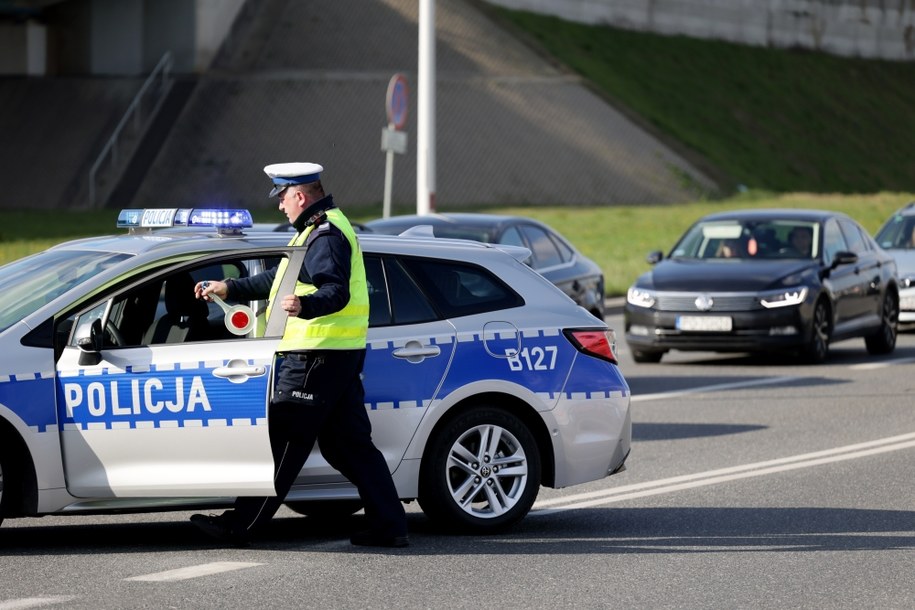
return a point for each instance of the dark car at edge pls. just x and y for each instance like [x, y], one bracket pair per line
[739, 281]
[552, 256]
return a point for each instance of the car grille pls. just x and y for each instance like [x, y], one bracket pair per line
[720, 301]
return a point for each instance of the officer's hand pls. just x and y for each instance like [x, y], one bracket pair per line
[203, 289]
[291, 305]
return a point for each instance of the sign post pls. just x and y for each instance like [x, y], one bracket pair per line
[393, 140]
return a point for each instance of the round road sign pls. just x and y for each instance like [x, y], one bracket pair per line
[396, 102]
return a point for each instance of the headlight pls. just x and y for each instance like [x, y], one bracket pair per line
[907, 281]
[784, 298]
[640, 297]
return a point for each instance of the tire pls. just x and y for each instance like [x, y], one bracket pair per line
[646, 356]
[326, 510]
[480, 473]
[5, 479]
[884, 340]
[817, 348]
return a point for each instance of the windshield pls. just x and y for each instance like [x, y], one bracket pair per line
[898, 233]
[32, 282]
[750, 240]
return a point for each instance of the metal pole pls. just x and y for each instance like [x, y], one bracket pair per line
[425, 116]
[388, 180]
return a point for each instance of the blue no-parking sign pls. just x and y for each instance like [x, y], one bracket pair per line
[397, 101]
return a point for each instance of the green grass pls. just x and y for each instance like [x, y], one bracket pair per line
[618, 238]
[777, 120]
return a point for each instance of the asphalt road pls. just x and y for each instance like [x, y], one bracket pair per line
[753, 483]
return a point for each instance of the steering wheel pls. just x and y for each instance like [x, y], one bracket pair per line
[116, 337]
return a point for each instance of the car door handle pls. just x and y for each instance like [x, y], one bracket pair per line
[237, 373]
[415, 352]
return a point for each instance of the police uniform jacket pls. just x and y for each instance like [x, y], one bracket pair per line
[326, 266]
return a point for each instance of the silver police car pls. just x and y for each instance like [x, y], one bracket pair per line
[122, 392]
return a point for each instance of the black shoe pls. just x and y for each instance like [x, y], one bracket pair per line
[370, 538]
[217, 528]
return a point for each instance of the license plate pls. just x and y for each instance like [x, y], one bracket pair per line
[704, 323]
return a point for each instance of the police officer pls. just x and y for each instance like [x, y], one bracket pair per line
[318, 394]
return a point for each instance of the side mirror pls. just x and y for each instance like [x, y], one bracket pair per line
[90, 347]
[844, 258]
[655, 257]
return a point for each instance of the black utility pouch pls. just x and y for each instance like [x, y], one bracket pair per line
[301, 379]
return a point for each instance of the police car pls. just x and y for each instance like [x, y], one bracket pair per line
[122, 392]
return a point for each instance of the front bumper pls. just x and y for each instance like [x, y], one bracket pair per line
[751, 331]
[907, 305]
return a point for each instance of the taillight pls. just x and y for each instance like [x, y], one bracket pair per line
[597, 342]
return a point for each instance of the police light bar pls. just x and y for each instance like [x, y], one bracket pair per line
[153, 218]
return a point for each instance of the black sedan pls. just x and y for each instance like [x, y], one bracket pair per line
[551, 254]
[765, 280]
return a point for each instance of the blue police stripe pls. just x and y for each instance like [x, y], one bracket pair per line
[30, 397]
[160, 397]
[543, 366]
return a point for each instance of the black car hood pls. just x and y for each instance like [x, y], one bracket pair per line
[726, 275]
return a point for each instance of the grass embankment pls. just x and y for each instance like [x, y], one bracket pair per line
[769, 119]
[617, 238]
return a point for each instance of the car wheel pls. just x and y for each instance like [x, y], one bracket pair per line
[646, 356]
[480, 472]
[326, 510]
[884, 340]
[818, 347]
[4, 479]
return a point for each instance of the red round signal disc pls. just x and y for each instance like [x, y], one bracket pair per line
[239, 319]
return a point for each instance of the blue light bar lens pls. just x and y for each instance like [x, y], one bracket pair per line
[221, 218]
[218, 217]
[129, 218]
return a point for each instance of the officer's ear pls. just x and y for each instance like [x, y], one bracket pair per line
[301, 198]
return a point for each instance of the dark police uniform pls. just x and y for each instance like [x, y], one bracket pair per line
[318, 393]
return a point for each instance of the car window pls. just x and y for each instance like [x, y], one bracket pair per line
[898, 232]
[379, 306]
[512, 237]
[164, 310]
[856, 242]
[408, 303]
[543, 249]
[459, 289]
[565, 251]
[833, 240]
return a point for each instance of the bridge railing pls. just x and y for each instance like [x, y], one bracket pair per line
[137, 115]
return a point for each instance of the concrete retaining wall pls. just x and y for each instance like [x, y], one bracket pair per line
[883, 29]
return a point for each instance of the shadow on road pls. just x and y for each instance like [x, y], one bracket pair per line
[571, 532]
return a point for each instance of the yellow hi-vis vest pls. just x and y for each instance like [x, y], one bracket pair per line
[344, 329]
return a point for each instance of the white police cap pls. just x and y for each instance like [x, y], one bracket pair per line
[287, 174]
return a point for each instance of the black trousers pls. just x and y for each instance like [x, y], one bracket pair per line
[319, 397]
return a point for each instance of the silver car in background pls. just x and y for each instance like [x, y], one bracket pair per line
[897, 237]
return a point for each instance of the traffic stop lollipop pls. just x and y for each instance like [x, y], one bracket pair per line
[239, 319]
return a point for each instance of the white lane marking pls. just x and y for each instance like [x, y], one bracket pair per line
[870, 366]
[35, 602]
[205, 569]
[712, 477]
[713, 388]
